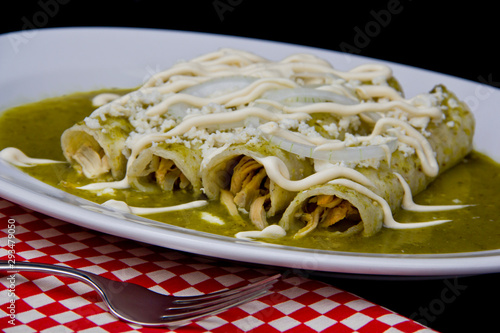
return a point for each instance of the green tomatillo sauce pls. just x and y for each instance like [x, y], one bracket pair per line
[36, 129]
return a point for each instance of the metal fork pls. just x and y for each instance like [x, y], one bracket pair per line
[139, 305]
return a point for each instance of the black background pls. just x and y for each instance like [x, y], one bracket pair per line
[455, 38]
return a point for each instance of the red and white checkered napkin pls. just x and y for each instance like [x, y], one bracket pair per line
[45, 303]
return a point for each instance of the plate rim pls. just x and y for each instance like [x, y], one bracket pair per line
[416, 265]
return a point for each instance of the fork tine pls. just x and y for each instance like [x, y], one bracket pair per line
[211, 310]
[228, 292]
[199, 302]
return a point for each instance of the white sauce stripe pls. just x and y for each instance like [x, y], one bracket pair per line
[226, 63]
[119, 185]
[123, 207]
[349, 110]
[16, 157]
[277, 171]
[104, 98]
[212, 218]
[273, 231]
[409, 204]
[389, 221]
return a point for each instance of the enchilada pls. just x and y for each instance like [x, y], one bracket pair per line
[289, 136]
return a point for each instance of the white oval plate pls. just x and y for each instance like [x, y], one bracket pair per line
[41, 63]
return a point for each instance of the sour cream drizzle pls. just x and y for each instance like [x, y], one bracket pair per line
[389, 221]
[273, 231]
[276, 170]
[104, 98]
[241, 97]
[124, 207]
[183, 127]
[408, 203]
[413, 138]
[16, 157]
[293, 71]
[367, 92]
[227, 62]
[348, 110]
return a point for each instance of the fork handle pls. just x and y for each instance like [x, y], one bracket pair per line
[12, 268]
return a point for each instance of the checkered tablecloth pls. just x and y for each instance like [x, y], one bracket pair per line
[35, 302]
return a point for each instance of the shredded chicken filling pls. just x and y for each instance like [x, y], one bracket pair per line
[249, 191]
[327, 211]
[169, 177]
[93, 164]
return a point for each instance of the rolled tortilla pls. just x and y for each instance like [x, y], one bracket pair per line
[97, 151]
[97, 147]
[345, 211]
[169, 166]
[234, 176]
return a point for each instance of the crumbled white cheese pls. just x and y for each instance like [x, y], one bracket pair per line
[332, 130]
[453, 103]
[307, 130]
[419, 122]
[424, 100]
[350, 140]
[92, 123]
[289, 124]
[405, 149]
[352, 122]
[213, 138]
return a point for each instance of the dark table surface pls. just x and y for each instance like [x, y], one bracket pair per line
[447, 37]
[448, 304]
